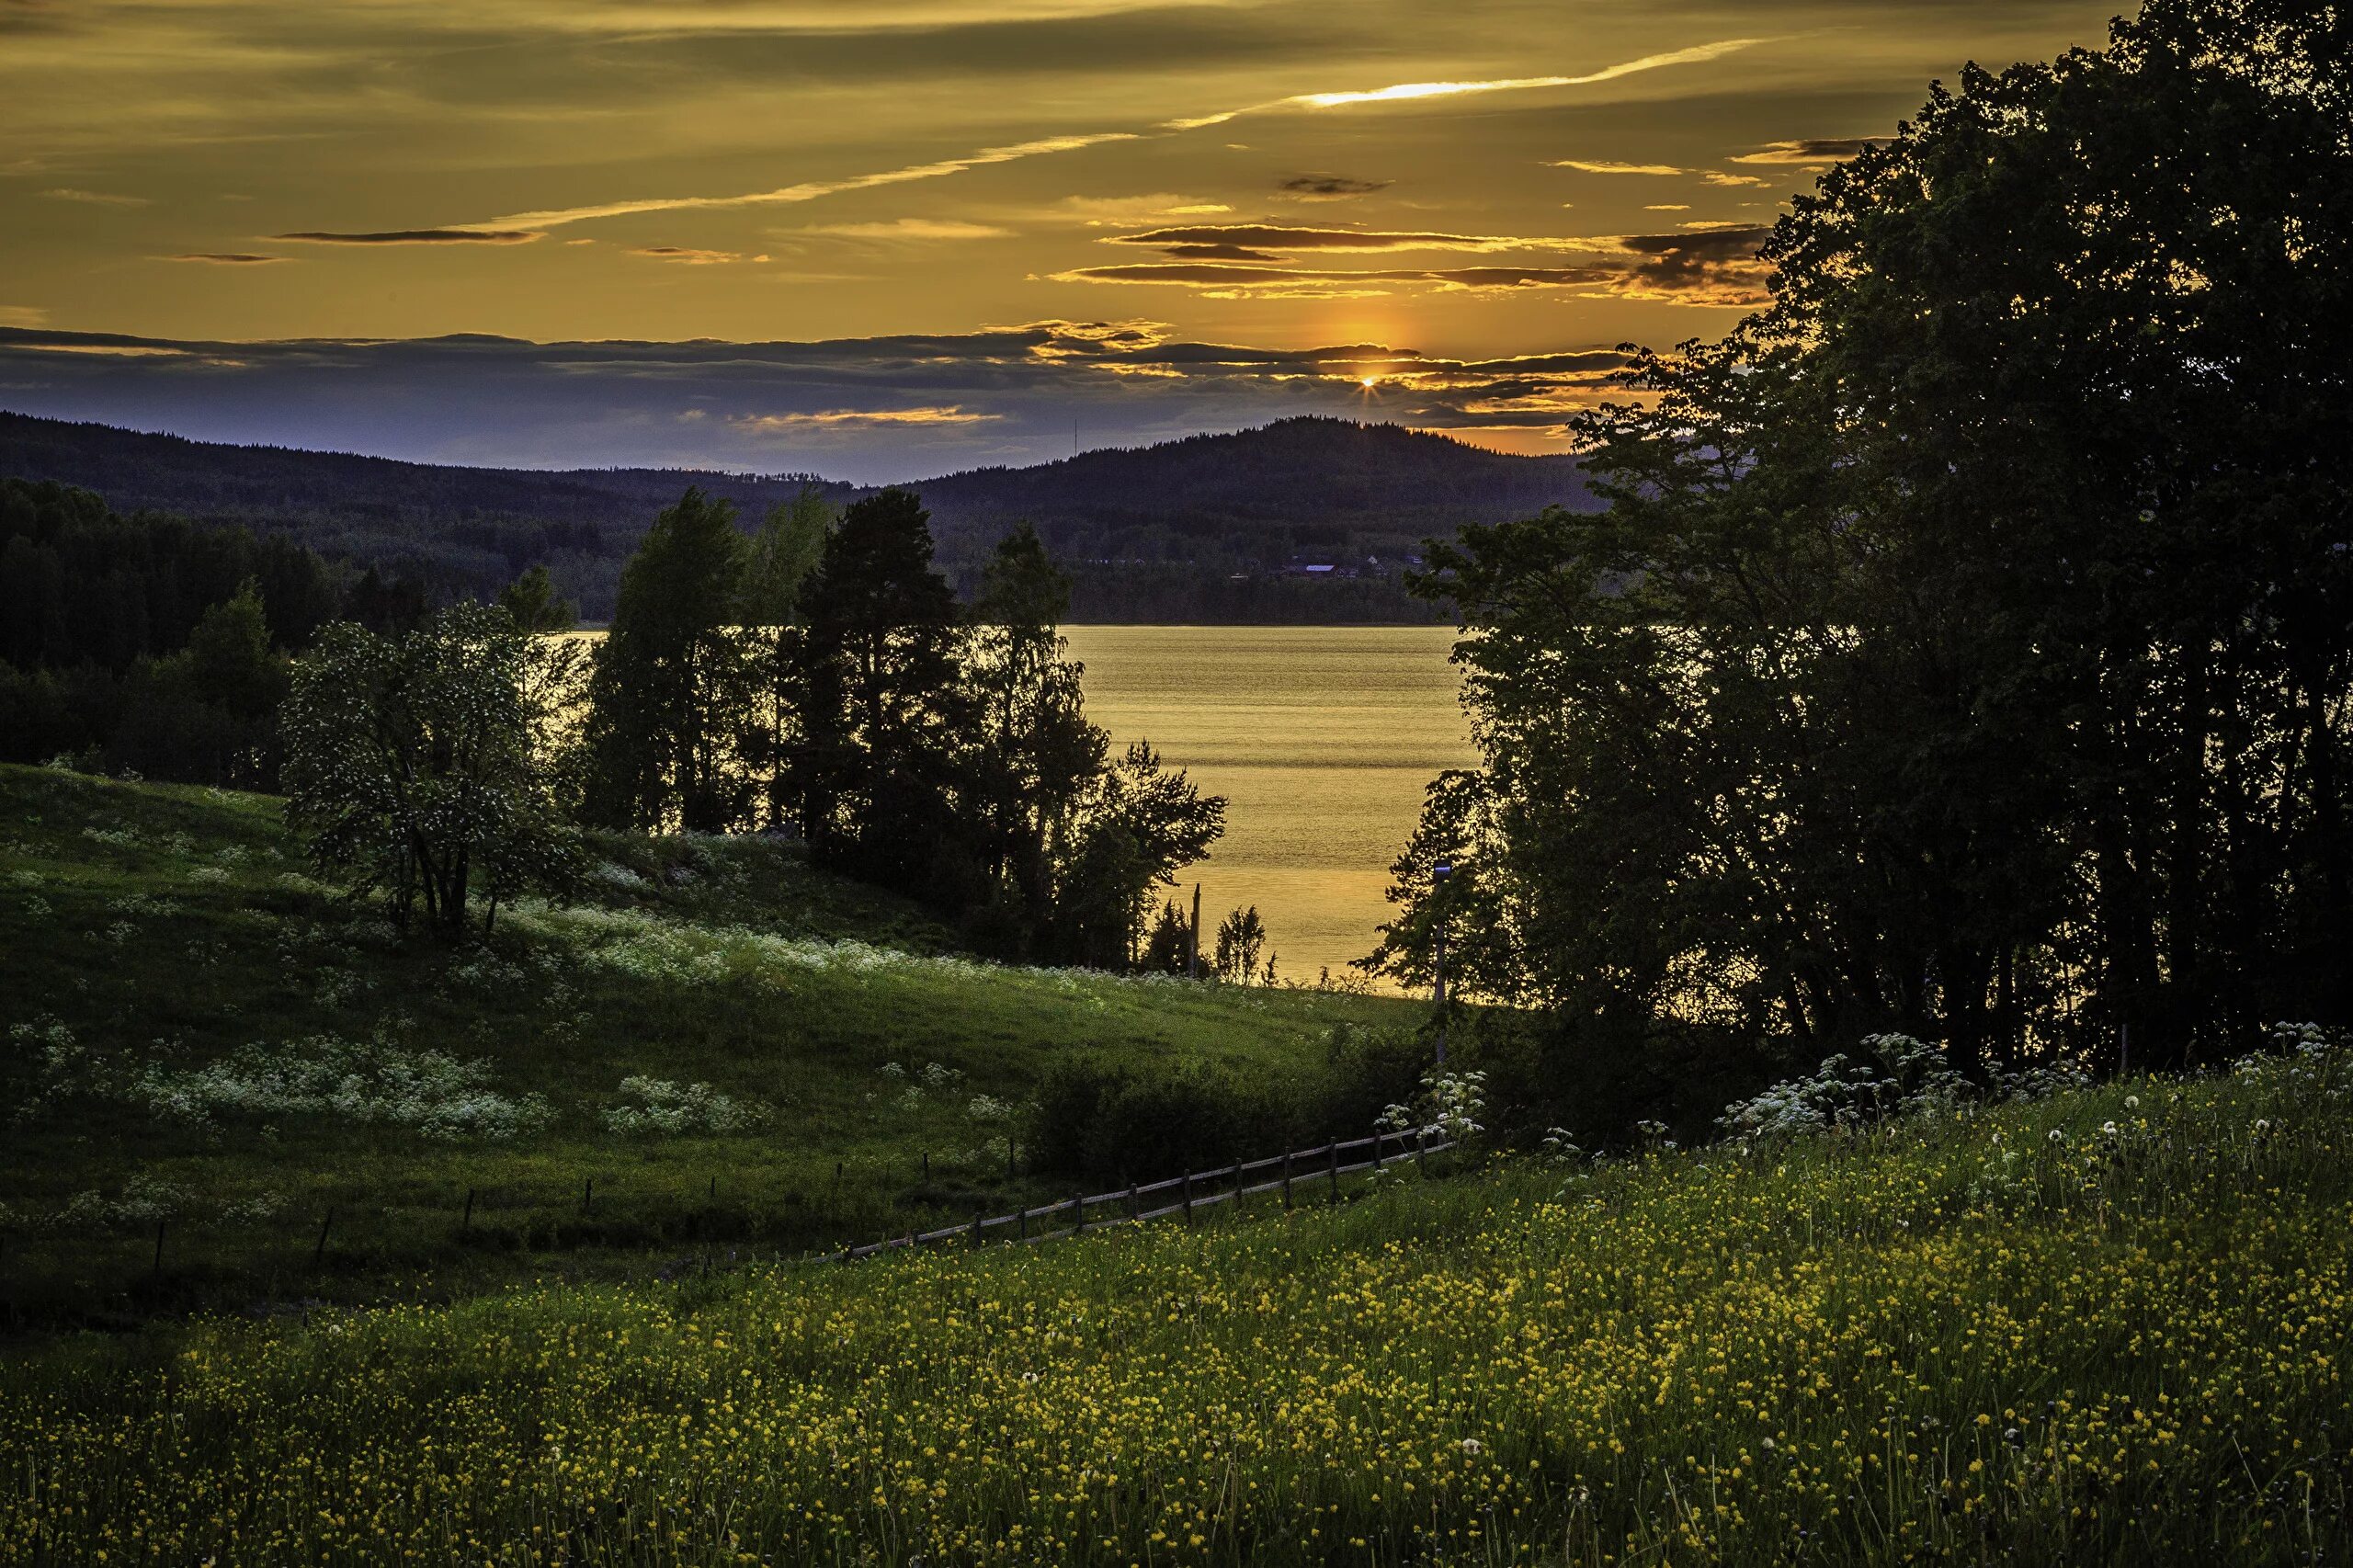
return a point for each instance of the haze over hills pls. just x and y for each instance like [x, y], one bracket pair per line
[1208, 529]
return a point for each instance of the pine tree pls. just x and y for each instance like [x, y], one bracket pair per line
[667, 691]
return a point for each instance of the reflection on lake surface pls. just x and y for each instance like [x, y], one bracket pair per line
[1321, 737]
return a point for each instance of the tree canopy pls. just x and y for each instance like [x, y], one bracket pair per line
[1966, 647]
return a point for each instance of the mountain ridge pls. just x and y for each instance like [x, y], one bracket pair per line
[1212, 525]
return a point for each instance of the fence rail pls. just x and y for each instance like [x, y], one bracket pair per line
[1195, 1189]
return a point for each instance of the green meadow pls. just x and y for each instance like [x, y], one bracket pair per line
[212, 1060]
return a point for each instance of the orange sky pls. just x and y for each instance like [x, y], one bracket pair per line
[1470, 182]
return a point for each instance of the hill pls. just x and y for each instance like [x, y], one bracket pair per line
[2109, 1326]
[719, 1046]
[1208, 528]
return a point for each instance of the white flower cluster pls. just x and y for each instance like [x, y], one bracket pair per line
[2306, 1061]
[143, 1201]
[428, 1091]
[656, 1105]
[1901, 1075]
[1449, 1108]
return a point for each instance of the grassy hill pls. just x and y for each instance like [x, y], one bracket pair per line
[2105, 1327]
[722, 1051]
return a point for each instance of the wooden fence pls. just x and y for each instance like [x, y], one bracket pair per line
[1193, 1191]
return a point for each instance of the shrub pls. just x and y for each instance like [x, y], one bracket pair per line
[1110, 1123]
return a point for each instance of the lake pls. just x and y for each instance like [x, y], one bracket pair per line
[1321, 738]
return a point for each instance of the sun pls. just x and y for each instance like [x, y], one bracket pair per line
[1368, 382]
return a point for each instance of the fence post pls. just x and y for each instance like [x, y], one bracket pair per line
[1135, 1206]
[976, 1229]
[1286, 1179]
[1078, 1214]
[1187, 1189]
[319, 1252]
[588, 1194]
[837, 1173]
[1421, 1150]
[1022, 1219]
[467, 1223]
[713, 1201]
[1333, 1152]
[927, 1165]
[1240, 1181]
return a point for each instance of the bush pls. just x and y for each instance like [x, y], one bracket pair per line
[1111, 1124]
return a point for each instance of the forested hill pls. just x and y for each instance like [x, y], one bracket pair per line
[1211, 527]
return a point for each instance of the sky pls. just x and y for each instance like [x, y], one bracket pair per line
[887, 239]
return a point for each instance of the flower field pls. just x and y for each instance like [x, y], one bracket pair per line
[2106, 1326]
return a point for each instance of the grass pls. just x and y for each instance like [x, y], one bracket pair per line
[2110, 1328]
[171, 977]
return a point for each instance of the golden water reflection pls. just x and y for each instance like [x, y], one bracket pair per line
[1321, 738]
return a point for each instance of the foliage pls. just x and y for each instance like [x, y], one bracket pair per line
[421, 767]
[665, 682]
[1110, 1122]
[535, 604]
[1965, 652]
[1241, 937]
[882, 713]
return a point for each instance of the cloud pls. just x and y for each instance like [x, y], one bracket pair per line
[1328, 187]
[811, 190]
[22, 316]
[1603, 168]
[1283, 236]
[224, 258]
[913, 229]
[1286, 280]
[688, 256]
[96, 198]
[1403, 92]
[1714, 267]
[1718, 177]
[1102, 211]
[1809, 151]
[871, 409]
[864, 418]
[1668, 207]
[419, 237]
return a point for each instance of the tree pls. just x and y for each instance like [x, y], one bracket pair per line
[533, 601]
[1037, 754]
[421, 767]
[784, 554]
[1139, 826]
[1965, 651]
[206, 713]
[1164, 948]
[667, 687]
[1241, 937]
[883, 722]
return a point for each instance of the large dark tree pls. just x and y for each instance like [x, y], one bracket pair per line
[883, 722]
[1967, 648]
[667, 686]
[1036, 753]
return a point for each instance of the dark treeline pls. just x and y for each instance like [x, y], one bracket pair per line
[155, 644]
[1212, 529]
[821, 678]
[1985, 666]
